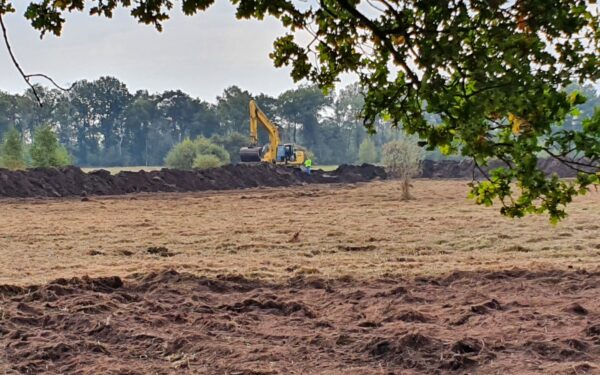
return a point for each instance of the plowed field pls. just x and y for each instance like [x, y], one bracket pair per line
[307, 280]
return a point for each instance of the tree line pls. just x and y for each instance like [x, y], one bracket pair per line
[102, 123]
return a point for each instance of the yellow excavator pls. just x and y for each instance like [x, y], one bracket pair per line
[273, 152]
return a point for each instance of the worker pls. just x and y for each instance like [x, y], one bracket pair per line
[307, 165]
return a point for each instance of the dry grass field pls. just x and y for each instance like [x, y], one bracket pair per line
[358, 230]
[309, 280]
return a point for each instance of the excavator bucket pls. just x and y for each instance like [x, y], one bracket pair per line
[250, 154]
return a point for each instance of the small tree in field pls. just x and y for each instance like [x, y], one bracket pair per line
[12, 155]
[403, 160]
[46, 151]
[367, 153]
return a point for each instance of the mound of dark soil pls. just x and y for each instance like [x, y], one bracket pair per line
[72, 181]
[465, 169]
[177, 323]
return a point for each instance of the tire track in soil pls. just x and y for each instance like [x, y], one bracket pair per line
[163, 323]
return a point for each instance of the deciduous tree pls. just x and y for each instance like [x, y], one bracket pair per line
[45, 150]
[12, 155]
[403, 160]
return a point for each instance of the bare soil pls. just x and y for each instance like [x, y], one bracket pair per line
[327, 279]
[73, 181]
[511, 322]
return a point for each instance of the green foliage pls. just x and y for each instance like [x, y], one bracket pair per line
[301, 107]
[367, 153]
[12, 155]
[185, 155]
[45, 150]
[206, 147]
[105, 102]
[232, 142]
[232, 109]
[206, 161]
[63, 157]
[182, 155]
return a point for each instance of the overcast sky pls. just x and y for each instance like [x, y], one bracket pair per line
[200, 55]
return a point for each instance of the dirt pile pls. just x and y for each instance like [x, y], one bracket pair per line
[169, 322]
[465, 169]
[72, 181]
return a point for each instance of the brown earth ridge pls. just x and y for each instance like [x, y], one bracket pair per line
[466, 169]
[72, 181]
[503, 322]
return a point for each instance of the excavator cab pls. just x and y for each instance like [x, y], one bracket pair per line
[286, 153]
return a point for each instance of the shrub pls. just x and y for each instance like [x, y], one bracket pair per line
[205, 147]
[12, 155]
[181, 155]
[367, 153]
[206, 161]
[45, 150]
[403, 159]
[184, 154]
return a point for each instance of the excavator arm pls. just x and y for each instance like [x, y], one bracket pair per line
[258, 117]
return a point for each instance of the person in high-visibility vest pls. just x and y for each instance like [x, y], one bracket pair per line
[307, 166]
